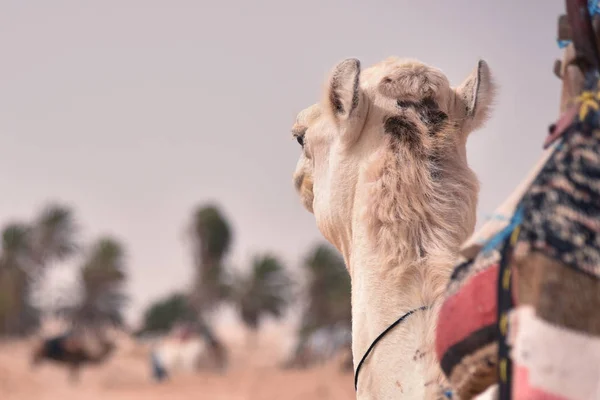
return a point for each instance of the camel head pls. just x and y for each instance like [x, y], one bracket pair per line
[388, 144]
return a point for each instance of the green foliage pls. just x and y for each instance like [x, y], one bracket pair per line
[211, 236]
[16, 246]
[162, 315]
[328, 289]
[13, 288]
[265, 291]
[54, 234]
[102, 276]
[27, 249]
[16, 267]
[104, 266]
[213, 233]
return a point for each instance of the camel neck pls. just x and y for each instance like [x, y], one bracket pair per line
[400, 365]
[381, 336]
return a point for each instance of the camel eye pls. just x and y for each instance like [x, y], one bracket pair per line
[300, 139]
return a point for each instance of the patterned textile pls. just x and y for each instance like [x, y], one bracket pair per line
[563, 204]
[503, 214]
[466, 334]
[549, 255]
[556, 340]
[467, 331]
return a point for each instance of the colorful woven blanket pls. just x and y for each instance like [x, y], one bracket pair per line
[523, 308]
[555, 345]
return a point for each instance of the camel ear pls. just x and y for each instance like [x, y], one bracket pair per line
[476, 95]
[344, 99]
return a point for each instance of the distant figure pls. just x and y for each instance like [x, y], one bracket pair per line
[159, 373]
[69, 349]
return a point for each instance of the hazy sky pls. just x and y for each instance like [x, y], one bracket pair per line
[134, 112]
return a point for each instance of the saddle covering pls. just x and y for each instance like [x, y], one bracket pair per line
[522, 308]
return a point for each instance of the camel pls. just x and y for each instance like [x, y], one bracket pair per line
[384, 170]
[71, 350]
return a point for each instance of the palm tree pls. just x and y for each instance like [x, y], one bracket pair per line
[211, 239]
[328, 289]
[211, 236]
[27, 250]
[264, 291]
[15, 266]
[102, 276]
[164, 313]
[54, 234]
[328, 295]
[101, 303]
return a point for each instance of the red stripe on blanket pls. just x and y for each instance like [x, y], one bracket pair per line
[470, 309]
[522, 390]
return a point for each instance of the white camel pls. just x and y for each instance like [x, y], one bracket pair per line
[384, 170]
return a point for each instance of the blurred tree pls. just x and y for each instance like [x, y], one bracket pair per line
[102, 276]
[54, 235]
[27, 251]
[328, 290]
[211, 239]
[328, 305]
[264, 291]
[15, 264]
[163, 314]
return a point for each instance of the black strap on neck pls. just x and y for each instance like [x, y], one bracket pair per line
[378, 338]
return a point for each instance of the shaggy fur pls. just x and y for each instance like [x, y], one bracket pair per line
[384, 170]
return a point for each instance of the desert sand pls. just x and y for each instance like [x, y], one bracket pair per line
[253, 374]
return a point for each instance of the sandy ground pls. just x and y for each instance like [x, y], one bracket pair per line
[252, 375]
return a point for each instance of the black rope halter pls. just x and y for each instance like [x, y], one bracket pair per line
[378, 338]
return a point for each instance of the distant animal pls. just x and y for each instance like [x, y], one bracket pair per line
[71, 350]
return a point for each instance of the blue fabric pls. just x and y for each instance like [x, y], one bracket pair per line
[499, 237]
[563, 43]
[594, 7]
